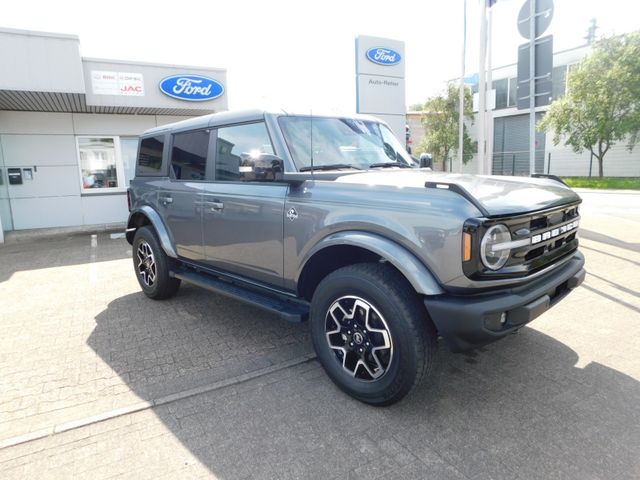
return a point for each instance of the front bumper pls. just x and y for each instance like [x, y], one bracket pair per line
[470, 321]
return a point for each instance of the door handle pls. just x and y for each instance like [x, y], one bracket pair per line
[166, 199]
[215, 206]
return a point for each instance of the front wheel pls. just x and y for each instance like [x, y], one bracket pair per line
[371, 332]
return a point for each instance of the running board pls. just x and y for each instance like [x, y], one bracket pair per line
[290, 310]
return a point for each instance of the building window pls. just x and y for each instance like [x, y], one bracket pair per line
[559, 81]
[100, 164]
[513, 92]
[501, 86]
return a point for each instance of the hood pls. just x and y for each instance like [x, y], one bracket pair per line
[498, 195]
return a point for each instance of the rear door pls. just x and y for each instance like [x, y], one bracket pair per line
[180, 198]
[242, 215]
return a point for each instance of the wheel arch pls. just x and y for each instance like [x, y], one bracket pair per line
[346, 248]
[146, 215]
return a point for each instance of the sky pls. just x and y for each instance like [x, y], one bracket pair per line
[300, 55]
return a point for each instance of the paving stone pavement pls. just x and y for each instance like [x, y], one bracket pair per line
[561, 399]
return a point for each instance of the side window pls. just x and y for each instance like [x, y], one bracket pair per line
[237, 147]
[150, 156]
[189, 155]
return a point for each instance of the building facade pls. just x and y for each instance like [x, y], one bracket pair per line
[511, 131]
[69, 126]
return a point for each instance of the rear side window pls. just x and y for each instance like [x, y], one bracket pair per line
[189, 155]
[150, 156]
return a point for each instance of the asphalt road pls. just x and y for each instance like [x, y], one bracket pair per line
[96, 381]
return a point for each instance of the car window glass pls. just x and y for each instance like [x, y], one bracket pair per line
[237, 148]
[150, 155]
[189, 155]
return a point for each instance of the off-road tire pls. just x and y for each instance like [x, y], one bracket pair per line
[162, 286]
[392, 298]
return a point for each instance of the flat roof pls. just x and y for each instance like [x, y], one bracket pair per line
[152, 64]
[36, 33]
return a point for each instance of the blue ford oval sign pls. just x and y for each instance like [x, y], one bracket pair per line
[193, 88]
[383, 56]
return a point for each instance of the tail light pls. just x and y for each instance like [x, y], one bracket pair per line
[129, 199]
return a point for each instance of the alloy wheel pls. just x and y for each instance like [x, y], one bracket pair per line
[359, 337]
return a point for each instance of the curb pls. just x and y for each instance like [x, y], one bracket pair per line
[146, 405]
[19, 236]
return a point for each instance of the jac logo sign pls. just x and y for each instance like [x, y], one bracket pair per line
[383, 56]
[193, 88]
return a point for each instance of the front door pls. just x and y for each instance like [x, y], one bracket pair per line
[242, 216]
[180, 199]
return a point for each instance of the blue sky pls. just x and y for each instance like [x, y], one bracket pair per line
[299, 54]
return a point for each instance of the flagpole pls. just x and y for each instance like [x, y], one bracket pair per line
[461, 113]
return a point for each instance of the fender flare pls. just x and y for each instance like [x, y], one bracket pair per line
[157, 223]
[418, 275]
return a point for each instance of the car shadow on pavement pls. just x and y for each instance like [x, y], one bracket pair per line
[59, 251]
[608, 240]
[523, 407]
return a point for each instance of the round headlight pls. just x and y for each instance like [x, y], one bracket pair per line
[492, 251]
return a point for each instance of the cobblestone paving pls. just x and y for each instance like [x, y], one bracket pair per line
[561, 399]
[79, 338]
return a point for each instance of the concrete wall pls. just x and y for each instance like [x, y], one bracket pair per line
[40, 62]
[618, 161]
[152, 76]
[46, 142]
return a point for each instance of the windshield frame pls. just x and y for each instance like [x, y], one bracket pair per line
[374, 130]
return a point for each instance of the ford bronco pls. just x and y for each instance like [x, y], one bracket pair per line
[328, 218]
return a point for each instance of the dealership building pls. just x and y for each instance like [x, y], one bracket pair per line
[69, 126]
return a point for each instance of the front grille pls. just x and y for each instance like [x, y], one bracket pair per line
[552, 237]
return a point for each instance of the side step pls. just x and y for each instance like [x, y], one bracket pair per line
[290, 310]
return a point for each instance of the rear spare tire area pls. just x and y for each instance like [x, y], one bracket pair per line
[371, 332]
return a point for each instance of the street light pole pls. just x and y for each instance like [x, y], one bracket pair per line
[461, 112]
[482, 87]
[489, 116]
[532, 87]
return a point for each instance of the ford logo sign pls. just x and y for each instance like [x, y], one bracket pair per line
[383, 56]
[193, 88]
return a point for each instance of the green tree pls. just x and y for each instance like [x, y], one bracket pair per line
[602, 103]
[440, 121]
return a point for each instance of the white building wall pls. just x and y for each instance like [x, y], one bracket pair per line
[618, 161]
[46, 142]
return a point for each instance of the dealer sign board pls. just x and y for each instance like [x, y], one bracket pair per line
[192, 88]
[117, 83]
[380, 88]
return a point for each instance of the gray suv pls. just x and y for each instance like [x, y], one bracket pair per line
[328, 218]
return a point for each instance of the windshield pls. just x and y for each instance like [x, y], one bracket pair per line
[344, 141]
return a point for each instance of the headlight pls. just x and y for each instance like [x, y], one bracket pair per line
[495, 247]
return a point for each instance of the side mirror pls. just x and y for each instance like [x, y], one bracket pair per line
[426, 161]
[263, 168]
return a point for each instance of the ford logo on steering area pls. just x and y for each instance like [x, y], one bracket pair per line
[193, 88]
[383, 56]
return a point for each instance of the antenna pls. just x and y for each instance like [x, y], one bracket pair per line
[311, 139]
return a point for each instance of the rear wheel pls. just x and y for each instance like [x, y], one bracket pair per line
[151, 265]
[371, 332]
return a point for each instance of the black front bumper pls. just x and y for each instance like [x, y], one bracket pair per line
[469, 321]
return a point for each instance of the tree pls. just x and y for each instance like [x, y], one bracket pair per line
[440, 121]
[602, 103]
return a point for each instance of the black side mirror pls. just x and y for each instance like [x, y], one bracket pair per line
[265, 167]
[426, 161]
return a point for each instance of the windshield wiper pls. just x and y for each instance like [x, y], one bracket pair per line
[331, 166]
[389, 164]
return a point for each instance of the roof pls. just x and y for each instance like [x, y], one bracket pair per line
[239, 116]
